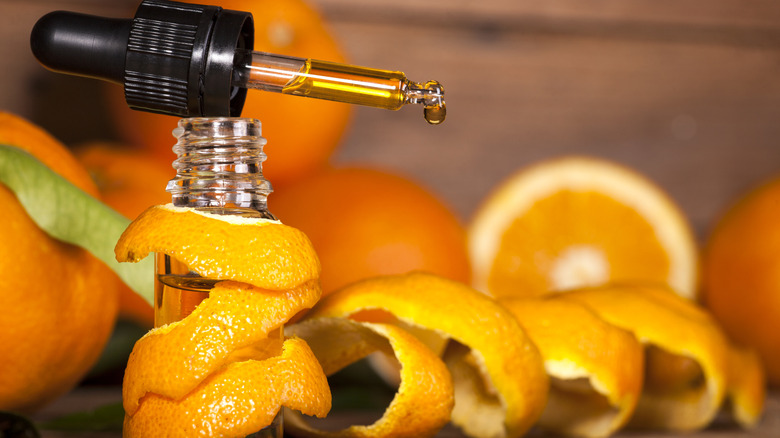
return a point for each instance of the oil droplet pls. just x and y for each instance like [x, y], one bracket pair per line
[435, 114]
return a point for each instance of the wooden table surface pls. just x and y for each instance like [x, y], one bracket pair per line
[87, 398]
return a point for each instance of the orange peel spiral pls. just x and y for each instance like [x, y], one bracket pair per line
[595, 367]
[678, 336]
[424, 400]
[500, 382]
[217, 372]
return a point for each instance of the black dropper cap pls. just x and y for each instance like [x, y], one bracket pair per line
[172, 58]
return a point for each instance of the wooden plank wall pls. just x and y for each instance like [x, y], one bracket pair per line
[685, 91]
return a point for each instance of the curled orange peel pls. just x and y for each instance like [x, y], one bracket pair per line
[238, 400]
[234, 316]
[595, 367]
[219, 372]
[504, 386]
[677, 335]
[424, 400]
[747, 386]
[746, 379]
[263, 253]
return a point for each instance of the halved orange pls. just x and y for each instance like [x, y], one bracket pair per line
[580, 222]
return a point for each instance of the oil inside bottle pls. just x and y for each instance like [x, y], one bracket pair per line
[177, 292]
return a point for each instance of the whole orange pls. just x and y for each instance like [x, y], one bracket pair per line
[365, 222]
[741, 273]
[61, 301]
[302, 133]
[130, 180]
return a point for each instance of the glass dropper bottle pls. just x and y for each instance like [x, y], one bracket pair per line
[219, 171]
[196, 60]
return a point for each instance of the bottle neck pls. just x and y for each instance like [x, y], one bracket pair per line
[220, 166]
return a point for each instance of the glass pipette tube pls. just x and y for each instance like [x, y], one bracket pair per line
[337, 82]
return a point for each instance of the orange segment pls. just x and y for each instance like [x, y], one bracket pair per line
[239, 399]
[267, 254]
[579, 222]
[679, 333]
[507, 367]
[424, 399]
[234, 316]
[595, 368]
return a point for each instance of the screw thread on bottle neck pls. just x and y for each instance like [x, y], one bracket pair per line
[220, 166]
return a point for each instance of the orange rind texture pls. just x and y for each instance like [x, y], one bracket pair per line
[218, 372]
[240, 399]
[60, 300]
[501, 385]
[242, 314]
[263, 253]
[675, 332]
[596, 368]
[747, 386]
[424, 400]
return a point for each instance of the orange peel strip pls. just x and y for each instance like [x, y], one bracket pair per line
[254, 251]
[501, 354]
[234, 316]
[238, 400]
[595, 368]
[681, 331]
[424, 400]
[217, 372]
[746, 380]
[747, 386]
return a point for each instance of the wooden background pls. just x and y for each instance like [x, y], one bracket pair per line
[685, 91]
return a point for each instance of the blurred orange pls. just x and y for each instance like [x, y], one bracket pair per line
[741, 270]
[60, 302]
[302, 133]
[364, 222]
[129, 181]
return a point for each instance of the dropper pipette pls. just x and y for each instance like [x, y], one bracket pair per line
[198, 60]
[339, 82]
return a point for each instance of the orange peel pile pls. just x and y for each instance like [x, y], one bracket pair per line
[500, 382]
[217, 372]
[689, 361]
[580, 363]
[595, 367]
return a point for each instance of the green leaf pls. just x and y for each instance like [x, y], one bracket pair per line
[69, 214]
[104, 418]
